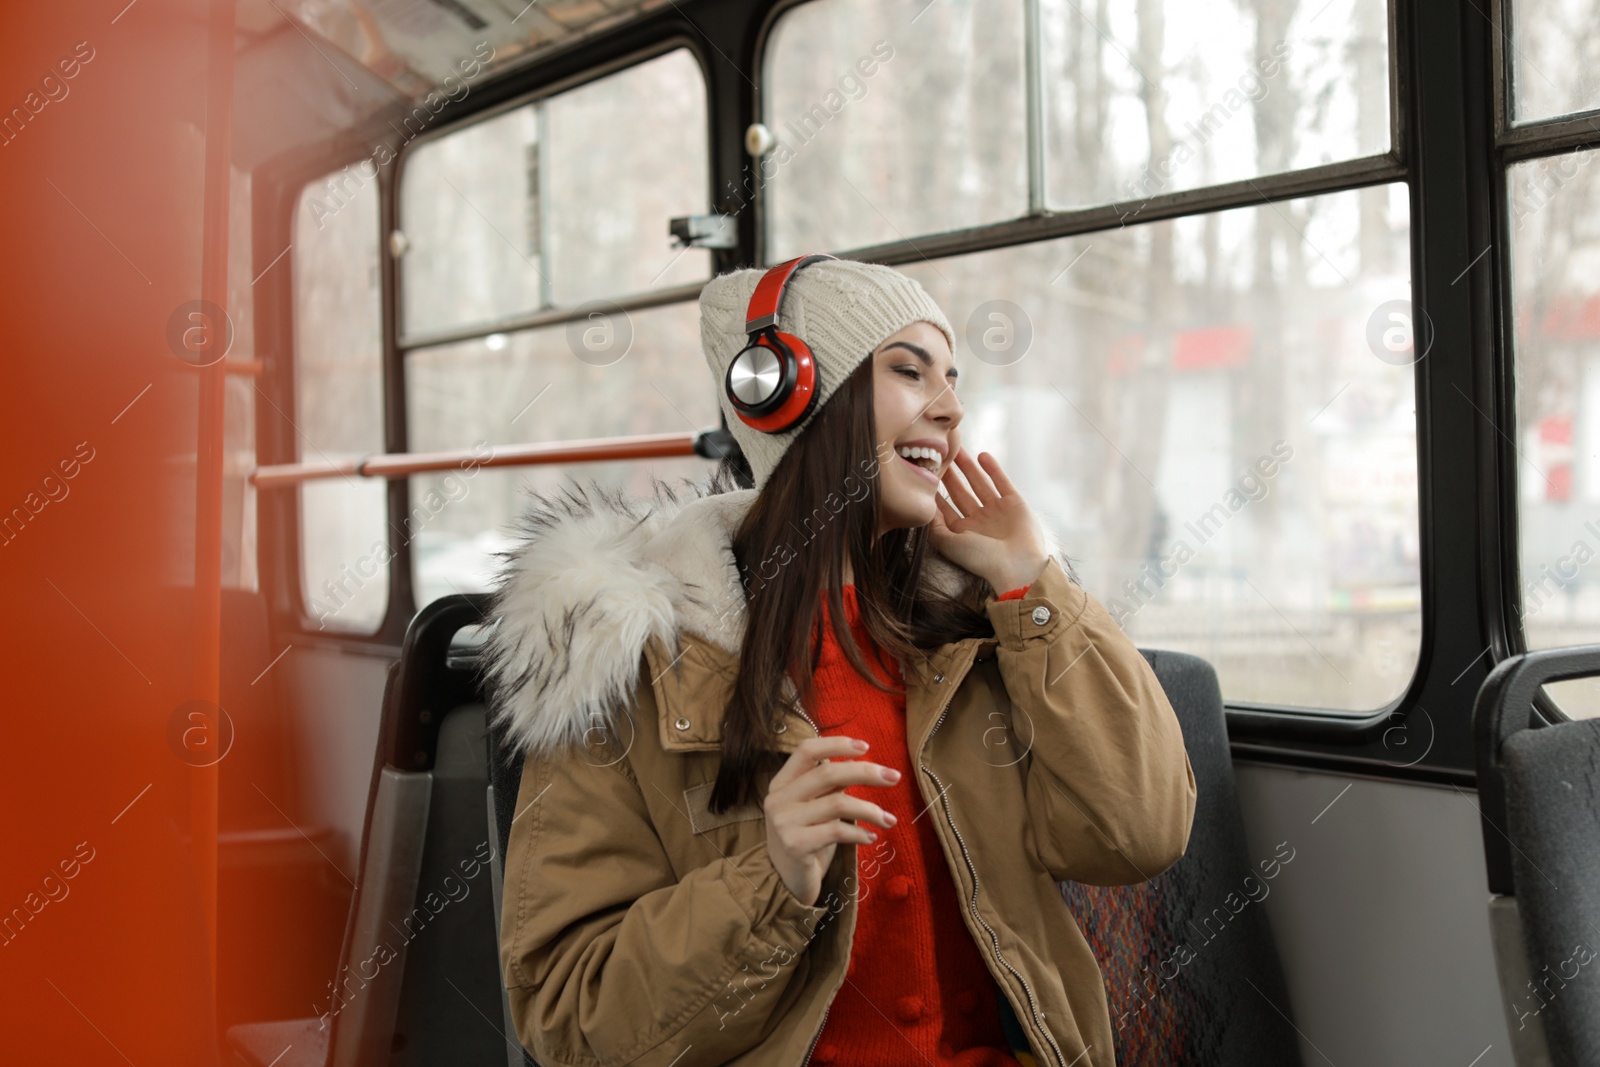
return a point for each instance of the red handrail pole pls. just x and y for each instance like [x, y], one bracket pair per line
[404, 464]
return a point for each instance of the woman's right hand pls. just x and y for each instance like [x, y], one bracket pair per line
[806, 809]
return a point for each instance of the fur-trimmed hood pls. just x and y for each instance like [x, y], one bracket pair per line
[596, 575]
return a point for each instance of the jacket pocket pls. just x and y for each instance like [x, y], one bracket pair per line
[697, 799]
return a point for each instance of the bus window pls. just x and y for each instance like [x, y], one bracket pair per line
[1220, 409]
[557, 202]
[338, 375]
[550, 209]
[1552, 58]
[1194, 408]
[1555, 261]
[608, 376]
[1246, 90]
[888, 127]
[875, 147]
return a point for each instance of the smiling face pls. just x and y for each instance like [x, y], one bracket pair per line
[916, 408]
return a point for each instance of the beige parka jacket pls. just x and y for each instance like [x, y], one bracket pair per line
[639, 928]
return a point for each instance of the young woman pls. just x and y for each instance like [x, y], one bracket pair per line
[799, 786]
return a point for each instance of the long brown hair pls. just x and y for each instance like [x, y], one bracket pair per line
[820, 506]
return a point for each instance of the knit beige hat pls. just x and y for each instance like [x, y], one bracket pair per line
[841, 309]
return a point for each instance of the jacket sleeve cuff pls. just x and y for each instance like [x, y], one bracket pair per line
[776, 915]
[1052, 604]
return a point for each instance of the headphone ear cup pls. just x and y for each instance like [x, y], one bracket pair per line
[802, 395]
[797, 391]
[759, 377]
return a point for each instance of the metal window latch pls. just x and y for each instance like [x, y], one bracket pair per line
[705, 231]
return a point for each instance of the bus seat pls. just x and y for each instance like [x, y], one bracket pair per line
[1176, 951]
[1537, 792]
[448, 1001]
[417, 981]
[505, 778]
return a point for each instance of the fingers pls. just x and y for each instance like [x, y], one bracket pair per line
[813, 838]
[814, 824]
[978, 477]
[960, 493]
[985, 483]
[806, 806]
[810, 771]
[992, 467]
[841, 806]
[821, 784]
[831, 778]
[812, 751]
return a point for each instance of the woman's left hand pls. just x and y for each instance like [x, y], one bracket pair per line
[985, 526]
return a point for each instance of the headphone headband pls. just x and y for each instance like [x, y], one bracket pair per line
[767, 299]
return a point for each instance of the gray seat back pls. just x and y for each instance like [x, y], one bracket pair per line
[1539, 793]
[505, 779]
[449, 1005]
[1181, 952]
[1552, 781]
[366, 998]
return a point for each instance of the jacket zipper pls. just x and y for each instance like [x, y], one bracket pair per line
[818, 1036]
[807, 718]
[972, 904]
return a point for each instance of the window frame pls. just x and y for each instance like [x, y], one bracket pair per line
[1271, 723]
[556, 315]
[1446, 145]
[402, 346]
[1041, 222]
[1538, 139]
[276, 197]
[288, 401]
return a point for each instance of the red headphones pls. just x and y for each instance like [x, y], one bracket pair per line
[772, 382]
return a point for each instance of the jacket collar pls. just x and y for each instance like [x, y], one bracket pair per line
[700, 678]
[600, 579]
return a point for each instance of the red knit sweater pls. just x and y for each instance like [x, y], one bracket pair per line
[917, 991]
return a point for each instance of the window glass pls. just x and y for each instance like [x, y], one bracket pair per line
[1216, 416]
[558, 202]
[1555, 285]
[1163, 95]
[1555, 49]
[617, 376]
[339, 404]
[892, 120]
[469, 212]
[628, 154]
